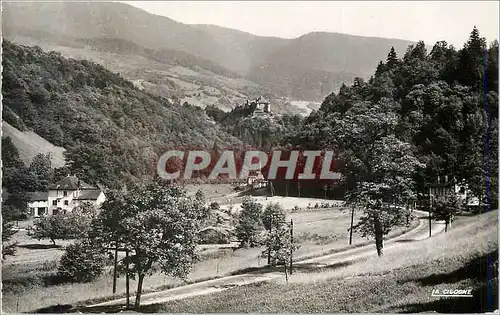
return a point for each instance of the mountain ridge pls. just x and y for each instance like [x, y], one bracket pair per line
[304, 68]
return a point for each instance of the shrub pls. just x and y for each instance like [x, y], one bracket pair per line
[273, 216]
[249, 223]
[67, 226]
[51, 227]
[213, 235]
[82, 262]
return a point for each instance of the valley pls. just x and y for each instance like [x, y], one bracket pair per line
[389, 147]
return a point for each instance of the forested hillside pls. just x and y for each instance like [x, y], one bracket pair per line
[305, 68]
[112, 131]
[439, 106]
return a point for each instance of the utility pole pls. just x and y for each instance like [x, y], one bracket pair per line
[115, 274]
[352, 224]
[127, 279]
[430, 207]
[291, 245]
[269, 245]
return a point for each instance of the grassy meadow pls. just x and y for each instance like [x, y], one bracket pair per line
[400, 281]
[30, 278]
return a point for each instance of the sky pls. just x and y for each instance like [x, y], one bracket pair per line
[430, 21]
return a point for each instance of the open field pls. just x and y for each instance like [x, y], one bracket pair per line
[30, 276]
[30, 144]
[211, 191]
[287, 202]
[400, 281]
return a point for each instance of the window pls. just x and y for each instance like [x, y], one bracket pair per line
[41, 211]
[66, 202]
[55, 211]
[65, 193]
[54, 202]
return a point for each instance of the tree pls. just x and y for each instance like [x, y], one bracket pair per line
[10, 155]
[82, 262]
[218, 226]
[392, 59]
[8, 248]
[492, 68]
[471, 61]
[279, 246]
[381, 165]
[249, 223]
[273, 216]
[17, 181]
[79, 221]
[159, 224]
[425, 111]
[41, 169]
[58, 227]
[446, 207]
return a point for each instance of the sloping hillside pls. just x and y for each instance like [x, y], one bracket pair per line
[313, 65]
[304, 68]
[112, 131]
[172, 74]
[30, 144]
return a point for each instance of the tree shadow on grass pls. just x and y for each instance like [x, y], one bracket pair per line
[476, 269]
[99, 309]
[404, 241]
[485, 296]
[313, 267]
[24, 282]
[39, 246]
[55, 309]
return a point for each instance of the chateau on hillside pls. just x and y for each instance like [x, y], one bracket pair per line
[262, 108]
[63, 197]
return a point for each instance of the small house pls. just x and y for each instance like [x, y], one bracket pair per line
[64, 196]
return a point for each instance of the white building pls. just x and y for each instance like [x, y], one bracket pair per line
[444, 187]
[64, 196]
[262, 108]
[257, 181]
[38, 204]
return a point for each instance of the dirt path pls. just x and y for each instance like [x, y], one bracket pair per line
[207, 287]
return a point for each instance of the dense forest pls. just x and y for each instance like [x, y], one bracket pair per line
[256, 131]
[112, 131]
[442, 107]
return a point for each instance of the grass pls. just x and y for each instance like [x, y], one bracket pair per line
[400, 281]
[30, 144]
[26, 277]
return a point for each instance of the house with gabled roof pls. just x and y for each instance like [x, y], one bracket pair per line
[64, 196]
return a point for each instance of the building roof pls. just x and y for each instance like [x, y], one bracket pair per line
[89, 194]
[39, 196]
[70, 183]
